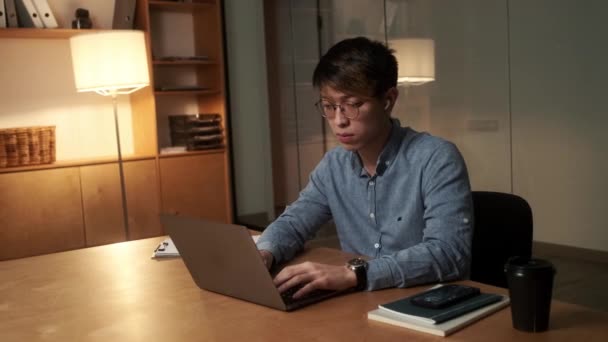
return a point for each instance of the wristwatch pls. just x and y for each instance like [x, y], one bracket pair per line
[359, 266]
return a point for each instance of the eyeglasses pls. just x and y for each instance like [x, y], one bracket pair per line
[328, 109]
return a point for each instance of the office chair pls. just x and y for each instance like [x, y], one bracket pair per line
[503, 228]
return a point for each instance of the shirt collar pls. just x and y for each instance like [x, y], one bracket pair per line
[387, 156]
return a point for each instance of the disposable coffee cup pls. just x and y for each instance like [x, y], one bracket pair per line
[530, 288]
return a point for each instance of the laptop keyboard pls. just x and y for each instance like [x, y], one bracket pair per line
[289, 300]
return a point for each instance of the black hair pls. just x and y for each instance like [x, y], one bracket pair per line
[357, 65]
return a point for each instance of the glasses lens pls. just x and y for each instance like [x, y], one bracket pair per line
[324, 109]
[328, 110]
[350, 110]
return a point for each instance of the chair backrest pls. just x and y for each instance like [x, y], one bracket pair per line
[503, 228]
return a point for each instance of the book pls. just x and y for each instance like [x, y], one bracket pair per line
[405, 308]
[443, 328]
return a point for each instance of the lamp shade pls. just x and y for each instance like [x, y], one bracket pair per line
[416, 60]
[110, 63]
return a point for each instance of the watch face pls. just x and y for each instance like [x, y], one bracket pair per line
[357, 262]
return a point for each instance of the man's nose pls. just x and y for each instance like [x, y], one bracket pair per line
[339, 118]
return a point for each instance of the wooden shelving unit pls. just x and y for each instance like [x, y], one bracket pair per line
[194, 183]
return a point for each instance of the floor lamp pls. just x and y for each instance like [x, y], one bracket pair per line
[111, 63]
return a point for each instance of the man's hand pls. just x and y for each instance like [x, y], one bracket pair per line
[267, 257]
[315, 276]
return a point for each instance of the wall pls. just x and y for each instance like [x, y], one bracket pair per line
[560, 116]
[519, 90]
[100, 12]
[244, 22]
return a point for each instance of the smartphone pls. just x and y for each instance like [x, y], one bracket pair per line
[444, 296]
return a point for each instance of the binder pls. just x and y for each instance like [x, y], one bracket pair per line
[46, 15]
[2, 14]
[27, 14]
[124, 13]
[11, 13]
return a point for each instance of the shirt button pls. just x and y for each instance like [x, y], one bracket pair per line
[371, 183]
[465, 220]
[376, 245]
[372, 215]
[387, 162]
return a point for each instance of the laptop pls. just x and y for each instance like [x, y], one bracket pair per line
[223, 258]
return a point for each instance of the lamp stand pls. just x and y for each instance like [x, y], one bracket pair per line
[123, 193]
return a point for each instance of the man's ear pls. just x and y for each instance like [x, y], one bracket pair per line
[391, 98]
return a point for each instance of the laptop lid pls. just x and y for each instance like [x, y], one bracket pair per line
[223, 258]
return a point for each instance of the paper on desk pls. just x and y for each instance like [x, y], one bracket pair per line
[167, 249]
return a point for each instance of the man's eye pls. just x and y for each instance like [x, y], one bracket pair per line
[327, 106]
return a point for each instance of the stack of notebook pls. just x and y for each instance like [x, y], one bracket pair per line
[443, 321]
[196, 132]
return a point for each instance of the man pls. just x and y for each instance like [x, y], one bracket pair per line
[399, 197]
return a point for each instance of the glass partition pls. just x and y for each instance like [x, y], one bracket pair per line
[517, 89]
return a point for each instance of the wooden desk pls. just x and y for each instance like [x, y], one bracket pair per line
[117, 293]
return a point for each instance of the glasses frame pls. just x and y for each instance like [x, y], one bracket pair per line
[356, 105]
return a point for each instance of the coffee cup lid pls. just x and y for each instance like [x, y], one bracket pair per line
[529, 266]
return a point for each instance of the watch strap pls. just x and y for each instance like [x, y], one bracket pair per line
[359, 266]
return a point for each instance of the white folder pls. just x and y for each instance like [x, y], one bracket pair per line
[11, 13]
[28, 16]
[46, 15]
[2, 14]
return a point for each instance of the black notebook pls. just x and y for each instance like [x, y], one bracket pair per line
[405, 308]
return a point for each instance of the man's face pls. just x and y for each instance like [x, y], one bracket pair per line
[359, 122]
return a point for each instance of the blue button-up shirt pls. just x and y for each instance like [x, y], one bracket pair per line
[413, 218]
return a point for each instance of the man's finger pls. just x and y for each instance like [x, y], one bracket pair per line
[294, 281]
[289, 272]
[306, 289]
